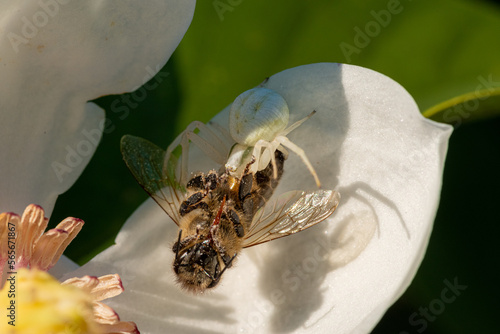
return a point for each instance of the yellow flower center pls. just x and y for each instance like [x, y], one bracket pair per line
[34, 302]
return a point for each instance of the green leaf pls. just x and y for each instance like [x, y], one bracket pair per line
[478, 105]
[435, 49]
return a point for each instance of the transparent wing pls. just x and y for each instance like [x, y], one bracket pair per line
[292, 212]
[146, 162]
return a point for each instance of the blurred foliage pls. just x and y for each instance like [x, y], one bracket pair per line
[436, 49]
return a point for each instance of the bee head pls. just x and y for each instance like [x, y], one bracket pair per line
[197, 267]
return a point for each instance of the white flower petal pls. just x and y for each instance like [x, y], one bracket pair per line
[55, 56]
[369, 142]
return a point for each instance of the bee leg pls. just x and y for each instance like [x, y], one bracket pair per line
[227, 264]
[180, 244]
[176, 247]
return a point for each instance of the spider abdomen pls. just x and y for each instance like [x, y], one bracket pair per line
[258, 113]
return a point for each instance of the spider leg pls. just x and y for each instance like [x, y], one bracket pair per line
[300, 152]
[269, 147]
[264, 82]
[247, 167]
[213, 146]
[297, 124]
[225, 135]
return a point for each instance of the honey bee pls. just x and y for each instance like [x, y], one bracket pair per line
[218, 213]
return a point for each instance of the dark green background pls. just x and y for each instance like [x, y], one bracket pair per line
[435, 49]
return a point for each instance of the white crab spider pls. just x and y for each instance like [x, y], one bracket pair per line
[258, 122]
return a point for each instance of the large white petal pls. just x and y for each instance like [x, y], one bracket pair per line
[55, 56]
[368, 141]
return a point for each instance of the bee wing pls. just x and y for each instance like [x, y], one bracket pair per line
[147, 163]
[292, 212]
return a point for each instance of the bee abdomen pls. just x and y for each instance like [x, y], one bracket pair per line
[245, 188]
[202, 182]
[265, 176]
[235, 220]
[193, 202]
[266, 183]
[211, 180]
[196, 183]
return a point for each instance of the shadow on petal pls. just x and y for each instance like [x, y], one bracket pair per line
[298, 268]
[295, 269]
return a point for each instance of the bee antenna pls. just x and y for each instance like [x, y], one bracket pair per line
[178, 246]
